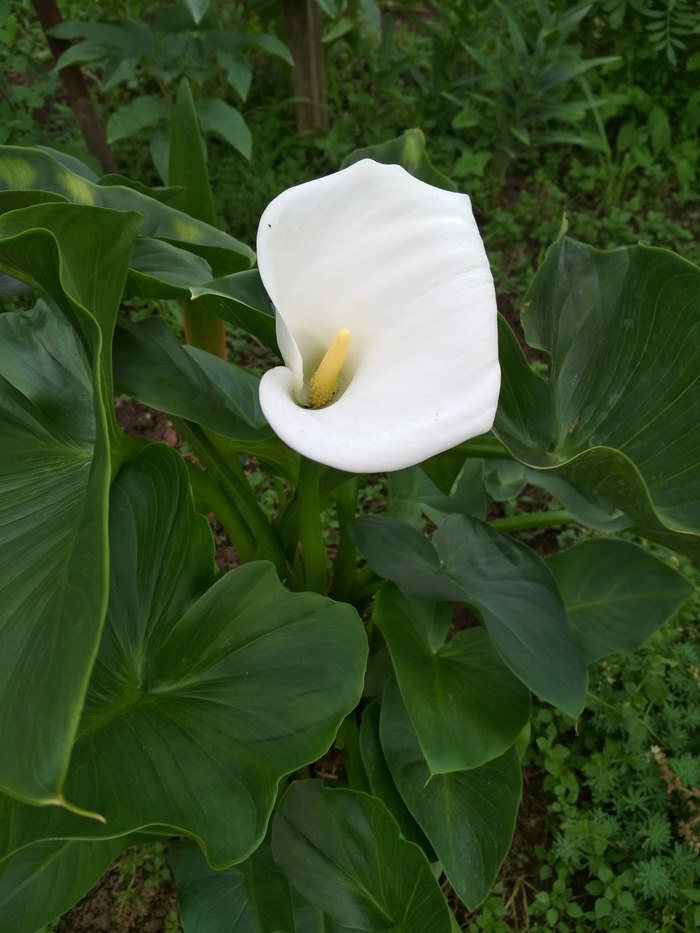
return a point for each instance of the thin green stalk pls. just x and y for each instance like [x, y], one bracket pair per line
[215, 501]
[234, 485]
[310, 530]
[524, 521]
[345, 567]
[348, 739]
[488, 447]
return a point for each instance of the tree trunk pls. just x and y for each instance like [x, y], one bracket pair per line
[302, 22]
[76, 89]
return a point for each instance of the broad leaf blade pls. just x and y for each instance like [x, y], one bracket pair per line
[468, 816]
[202, 696]
[57, 411]
[252, 897]
[33, 173]
[342, 850]
[465, 705]
[506, 582]
[241, 300]
[42, 881]
[614, 612]
[621, 328]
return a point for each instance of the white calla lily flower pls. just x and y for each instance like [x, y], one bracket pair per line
[386, 319]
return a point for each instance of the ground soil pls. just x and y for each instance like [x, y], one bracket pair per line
[125, 903]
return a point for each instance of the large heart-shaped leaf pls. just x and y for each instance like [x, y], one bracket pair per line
[506, 582]
[616, 612]
[468, 816]
[342, 850]
[202, 696]
[465, 704]
[56, 412]
[621, 329]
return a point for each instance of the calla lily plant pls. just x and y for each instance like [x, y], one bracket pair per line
[386, 319]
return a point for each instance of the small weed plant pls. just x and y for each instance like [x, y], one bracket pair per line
[621, 792]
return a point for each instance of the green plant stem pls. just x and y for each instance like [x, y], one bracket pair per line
[488, 447]
[348, 739]
[234, 485]
[214, 500]
[345, 567]
[310, 530]
[527, 520]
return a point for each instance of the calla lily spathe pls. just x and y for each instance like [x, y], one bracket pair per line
[400, 265]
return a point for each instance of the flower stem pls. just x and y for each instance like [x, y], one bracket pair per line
[214, 500]
[527, 520]
[488, 447]
[234, 485]
[310, 530]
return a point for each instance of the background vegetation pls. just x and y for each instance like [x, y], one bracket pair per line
[543, 111]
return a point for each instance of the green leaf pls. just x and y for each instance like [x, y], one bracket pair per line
[271, 44]
[54, 473]
[252, 897]
[42, 881]
[40, 178]
[152, 366]
[197, 9]
[216, 116]
[161, 270]
[468, 816]
[464, 703]
[203, 695]
[241, 300]
[342, 850]
[506, 582]
[187, 164]
[614, 611]
[414, 495]
[621, 328]
[408, 151]
[239, 72]
[145, 111]
[56, 412]
[381, 781]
